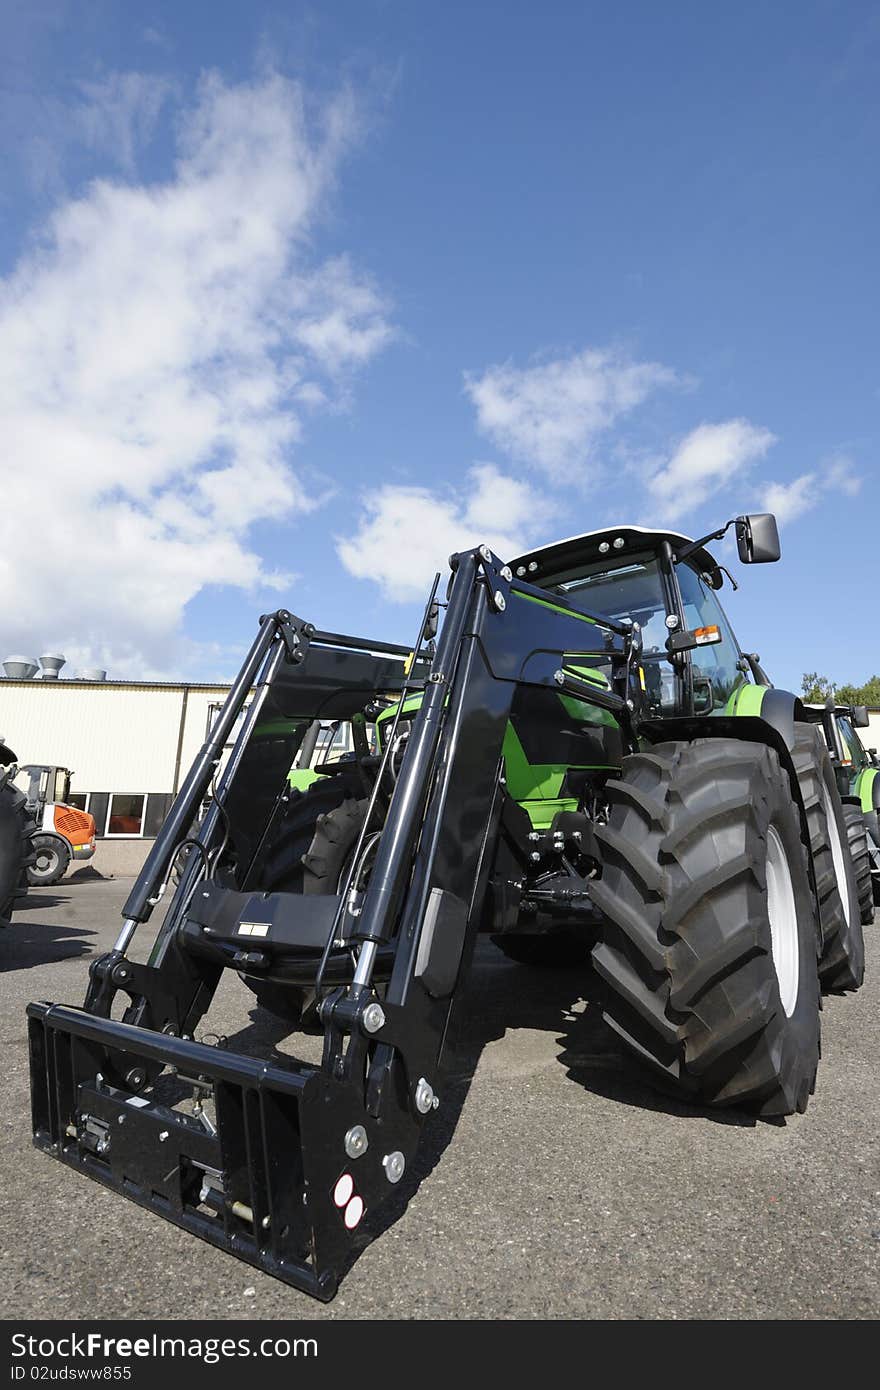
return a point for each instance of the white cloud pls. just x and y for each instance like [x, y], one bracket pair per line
[840, 475]
[408, 533]
[119, 114]
[552, 414]
[157, 349]
[707, 460]
[791, 500]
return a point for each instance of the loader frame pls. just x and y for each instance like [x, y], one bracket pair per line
[297, 1156]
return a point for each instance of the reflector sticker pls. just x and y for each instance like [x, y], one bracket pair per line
[706, 634]
[253, 928]
[353, 1212]
[343, 1190]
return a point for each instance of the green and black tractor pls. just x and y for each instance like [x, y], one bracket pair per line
[858, 777]
[575, 758]
[16, 830]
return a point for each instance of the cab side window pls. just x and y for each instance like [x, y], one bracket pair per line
[717, 663]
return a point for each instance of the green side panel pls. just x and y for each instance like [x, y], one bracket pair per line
[864, 788]
[541, 813]
[302, 778]
[746, 701]
[410, 705]
[528, 781]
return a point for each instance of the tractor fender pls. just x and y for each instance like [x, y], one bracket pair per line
[867, 789]
[753, 714]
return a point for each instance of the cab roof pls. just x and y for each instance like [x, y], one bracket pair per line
[550, 560]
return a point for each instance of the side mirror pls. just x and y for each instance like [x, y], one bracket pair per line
[860, 717]
[757, 538]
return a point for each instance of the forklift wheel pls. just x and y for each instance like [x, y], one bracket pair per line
[50, 862]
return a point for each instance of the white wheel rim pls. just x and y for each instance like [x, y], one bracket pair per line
[782, 911]
[837, 854]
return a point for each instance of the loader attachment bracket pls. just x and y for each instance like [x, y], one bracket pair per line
[281, 1174]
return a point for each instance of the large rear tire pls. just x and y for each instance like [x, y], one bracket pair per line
[842, 956]
[709, 942]
[857, 840]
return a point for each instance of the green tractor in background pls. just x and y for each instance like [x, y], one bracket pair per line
[858, 776]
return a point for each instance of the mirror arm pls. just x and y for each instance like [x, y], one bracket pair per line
[689, 549]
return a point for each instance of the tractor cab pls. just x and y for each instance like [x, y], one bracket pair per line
[667, 585]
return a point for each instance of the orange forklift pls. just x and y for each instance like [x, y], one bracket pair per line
[61, 832]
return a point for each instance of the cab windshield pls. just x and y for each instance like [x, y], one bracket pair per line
[634, 590]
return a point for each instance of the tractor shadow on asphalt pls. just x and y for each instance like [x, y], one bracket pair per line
[500, 997]
[31, 941]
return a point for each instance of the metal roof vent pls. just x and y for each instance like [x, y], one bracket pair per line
[91, 673]
[20, 668]
[51, 664]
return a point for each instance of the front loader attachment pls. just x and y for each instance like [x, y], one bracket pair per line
[260, 1169]
[280, 1162]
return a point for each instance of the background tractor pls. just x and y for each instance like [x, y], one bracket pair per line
[857, 776]
[16, 827]
[579, 759]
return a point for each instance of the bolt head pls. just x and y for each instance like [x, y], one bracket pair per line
[559, 677]
[356, 1142]
[506, 573]
[534, 856]
[485, 552]
[499, 600]
[424, 1096]
[373, 1018]
[394, 1165]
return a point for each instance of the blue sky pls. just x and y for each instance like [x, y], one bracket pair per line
[296, 298]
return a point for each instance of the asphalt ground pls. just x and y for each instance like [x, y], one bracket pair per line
[552, 1182]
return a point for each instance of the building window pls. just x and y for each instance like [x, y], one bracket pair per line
[126, 814]
[78, 799]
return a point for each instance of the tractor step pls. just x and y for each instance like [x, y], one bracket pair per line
[263, 1165]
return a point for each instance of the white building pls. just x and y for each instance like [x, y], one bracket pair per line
[129, 744]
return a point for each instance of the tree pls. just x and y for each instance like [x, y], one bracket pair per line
[815, 689]
[867, 694]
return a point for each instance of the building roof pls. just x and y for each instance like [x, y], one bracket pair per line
[76, 684]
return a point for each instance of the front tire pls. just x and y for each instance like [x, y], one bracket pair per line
[709, 941]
